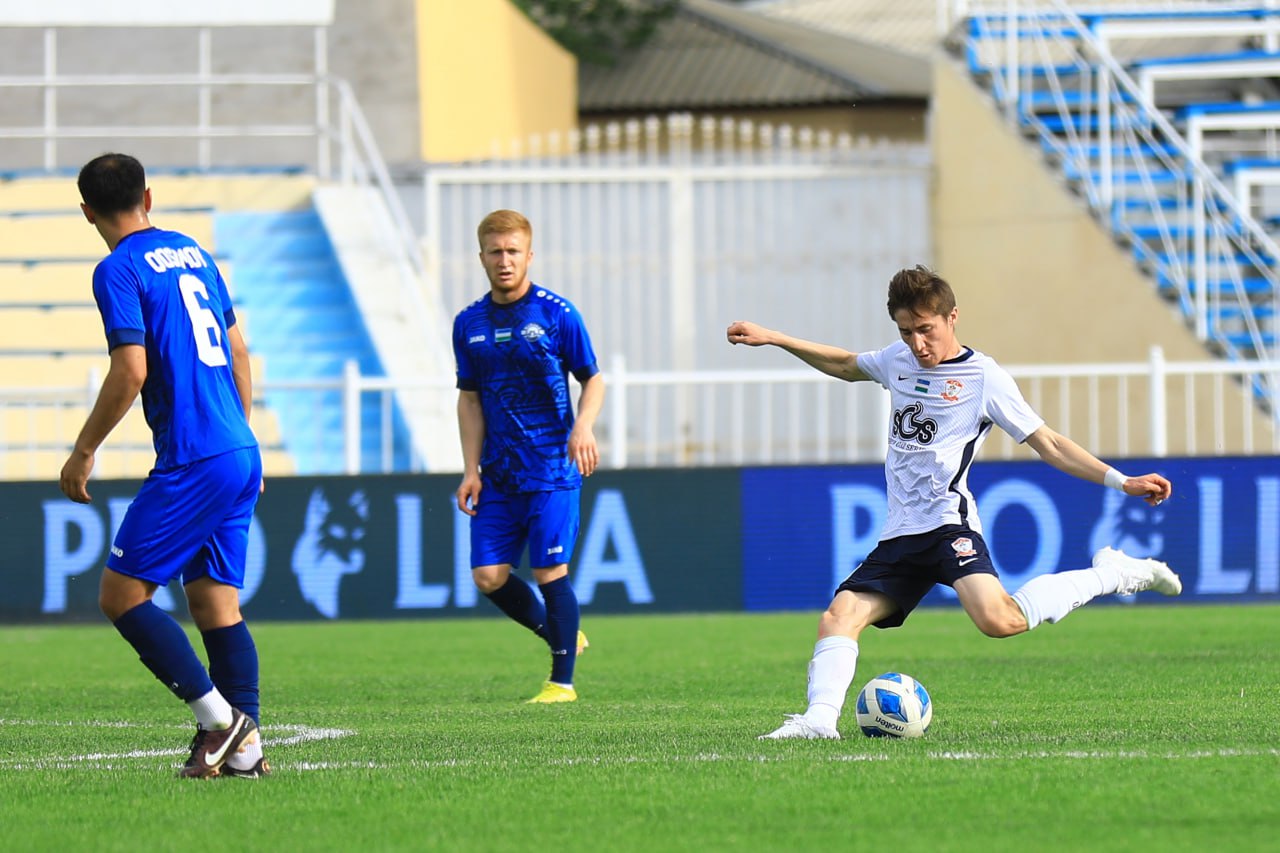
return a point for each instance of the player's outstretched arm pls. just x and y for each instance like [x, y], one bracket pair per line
[831, 360]
[120, 388]
[1069, 457]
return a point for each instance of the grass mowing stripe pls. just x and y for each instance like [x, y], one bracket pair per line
[1121, 728]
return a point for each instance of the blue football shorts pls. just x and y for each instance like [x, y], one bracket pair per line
[192, 521]
[905, 568]
[504, 524]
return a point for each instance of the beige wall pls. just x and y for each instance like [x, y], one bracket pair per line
[1038, 280]
[488, 75]
[891, 122]
[1023, 251]
[373, 46]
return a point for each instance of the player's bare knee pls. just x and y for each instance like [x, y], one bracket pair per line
[1001, 624]
[846, 615]
[489, 578]
[110, 608]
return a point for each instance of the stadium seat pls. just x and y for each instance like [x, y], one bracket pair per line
[1144, 181]
[53, 338]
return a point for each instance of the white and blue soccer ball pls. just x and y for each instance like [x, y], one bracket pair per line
[894, 705]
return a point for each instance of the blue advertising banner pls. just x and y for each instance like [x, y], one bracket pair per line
[806, 529]
[388, 547]
[378, 547]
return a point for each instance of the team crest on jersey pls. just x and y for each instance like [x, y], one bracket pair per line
[532, 332]
[963, 547]
[951, 391]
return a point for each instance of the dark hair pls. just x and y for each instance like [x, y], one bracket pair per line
[920, 291]
[112, 183]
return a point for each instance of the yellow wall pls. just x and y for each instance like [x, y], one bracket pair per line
[488, 75]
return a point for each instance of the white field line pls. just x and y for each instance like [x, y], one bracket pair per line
[305, 734]
[717, 758]
[97, 760]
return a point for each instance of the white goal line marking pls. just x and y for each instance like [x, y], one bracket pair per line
[95, 760]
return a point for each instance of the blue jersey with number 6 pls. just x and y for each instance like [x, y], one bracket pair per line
[160, 290]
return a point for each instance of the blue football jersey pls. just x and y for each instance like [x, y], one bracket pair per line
[160, 290]
[519, 357]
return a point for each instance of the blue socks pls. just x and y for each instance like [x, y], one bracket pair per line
[556, 623]
[562, 628]
[516, 599]
[163, 646]
[233, 666]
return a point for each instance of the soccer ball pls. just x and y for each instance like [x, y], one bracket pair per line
[894, 705]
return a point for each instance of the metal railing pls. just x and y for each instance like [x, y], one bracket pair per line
[1052, 72]
[315, 124]
[792, 416]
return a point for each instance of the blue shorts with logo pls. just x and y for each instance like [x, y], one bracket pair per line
[504, 524]
[905, 568]
[192, 521]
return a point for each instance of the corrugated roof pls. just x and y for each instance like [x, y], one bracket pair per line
[910, 26]
[712, 55]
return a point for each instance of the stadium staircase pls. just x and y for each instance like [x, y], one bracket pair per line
[1165, 121]
[307, 327]
[52, 350]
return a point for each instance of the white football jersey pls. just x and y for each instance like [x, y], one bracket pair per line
[940, 418]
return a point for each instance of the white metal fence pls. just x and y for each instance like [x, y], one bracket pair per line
[796, 415]
[663, 232]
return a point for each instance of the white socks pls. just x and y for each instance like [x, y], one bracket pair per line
[830, 673]
[1049, 598]
[213, 713]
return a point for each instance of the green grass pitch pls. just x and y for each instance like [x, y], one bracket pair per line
[1124, 728]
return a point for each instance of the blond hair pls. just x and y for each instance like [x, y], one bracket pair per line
[503, 222]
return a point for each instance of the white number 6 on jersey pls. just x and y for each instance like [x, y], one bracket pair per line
[204, 324]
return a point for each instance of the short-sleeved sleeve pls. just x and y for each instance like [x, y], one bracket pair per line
[1007, 408]
[224, 292]
[577, 353]
[873, 364]
[467, 380]
[118, 292]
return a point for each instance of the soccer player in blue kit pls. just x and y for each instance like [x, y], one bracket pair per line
[172, 337]
[946, 397]
[524, 453]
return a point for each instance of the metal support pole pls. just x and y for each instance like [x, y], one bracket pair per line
[618, 412]
[1158, 415]
[351, 415]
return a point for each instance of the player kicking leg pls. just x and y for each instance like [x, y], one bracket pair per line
[883, 593]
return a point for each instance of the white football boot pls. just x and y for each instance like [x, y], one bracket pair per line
[796, 726]
[1138, 575]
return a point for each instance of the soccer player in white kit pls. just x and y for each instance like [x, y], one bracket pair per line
[945, 399]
